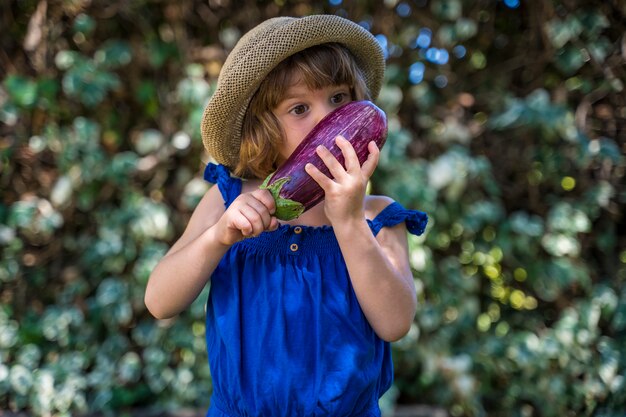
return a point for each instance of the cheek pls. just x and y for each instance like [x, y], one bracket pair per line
[289, 145]
[294, 134]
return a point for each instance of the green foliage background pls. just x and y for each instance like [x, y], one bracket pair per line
[514, 145]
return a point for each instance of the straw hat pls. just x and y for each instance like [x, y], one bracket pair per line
[258, 52]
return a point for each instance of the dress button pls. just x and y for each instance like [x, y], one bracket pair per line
[297, 230]
[293, 247]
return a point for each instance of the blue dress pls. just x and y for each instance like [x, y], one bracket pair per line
[285, 333]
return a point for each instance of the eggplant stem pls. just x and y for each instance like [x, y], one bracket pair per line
[286, 209]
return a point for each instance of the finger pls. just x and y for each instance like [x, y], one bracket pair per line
[258, 210]
[350, 157]
[264, 204]
[319, 177]
[372, 160]
[255, 219]
[334, 166]
[244, 226]
[265, 197]
[274, 224]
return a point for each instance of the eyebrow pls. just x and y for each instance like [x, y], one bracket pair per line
[289, 94]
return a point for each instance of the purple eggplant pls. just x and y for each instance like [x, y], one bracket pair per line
[294, 191]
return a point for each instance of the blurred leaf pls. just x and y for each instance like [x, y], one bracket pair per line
[146, 94]
[569, 59]
[22, 90]
[482, 213]
[84, 24]
[65, 60]
[593, 21]
[113, 54]
[149, 141]
[560, 32]
[565, 218]
[600, 49]
[159, 52]
[558, 276]
[121, 167]
[193, 90]
[447, 9]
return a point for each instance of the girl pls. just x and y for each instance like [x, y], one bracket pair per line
[300, 314]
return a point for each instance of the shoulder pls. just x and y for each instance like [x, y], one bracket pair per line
[374, 204]
[210, 208]
[388, 232]
[206, 214]
[391, 235]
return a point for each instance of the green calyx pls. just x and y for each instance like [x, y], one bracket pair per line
[286, 209]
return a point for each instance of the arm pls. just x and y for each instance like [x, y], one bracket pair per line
[378, 266]
[185, 269]
[381, 277]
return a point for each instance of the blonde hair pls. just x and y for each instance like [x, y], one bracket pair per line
[319, 66]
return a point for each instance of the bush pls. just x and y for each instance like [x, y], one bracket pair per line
[506, 126]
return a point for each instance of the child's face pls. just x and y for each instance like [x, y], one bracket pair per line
[302, 108]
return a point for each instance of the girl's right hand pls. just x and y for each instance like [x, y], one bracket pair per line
[248, 215]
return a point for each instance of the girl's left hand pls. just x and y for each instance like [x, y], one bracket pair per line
[345, 194]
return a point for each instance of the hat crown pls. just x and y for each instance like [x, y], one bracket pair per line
[249, 42]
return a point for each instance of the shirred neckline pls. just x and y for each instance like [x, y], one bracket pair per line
[314, 240]
[311, 240]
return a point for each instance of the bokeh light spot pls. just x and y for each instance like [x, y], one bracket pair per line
[424, 38]
[520, 274]
[403, 10]
[416, 72]
[484, 322]
[568, 183]
[517, 299]
[441, 81]
[459, 51]
[512, 4]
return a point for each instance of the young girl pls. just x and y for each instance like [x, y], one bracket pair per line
[300, 314]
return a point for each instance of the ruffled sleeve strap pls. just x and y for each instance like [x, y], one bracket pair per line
[395, 214]
[229, 186]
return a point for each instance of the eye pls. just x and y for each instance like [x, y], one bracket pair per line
[339, 98]
[299, 109]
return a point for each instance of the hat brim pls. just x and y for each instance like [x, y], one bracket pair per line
[261, 50]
